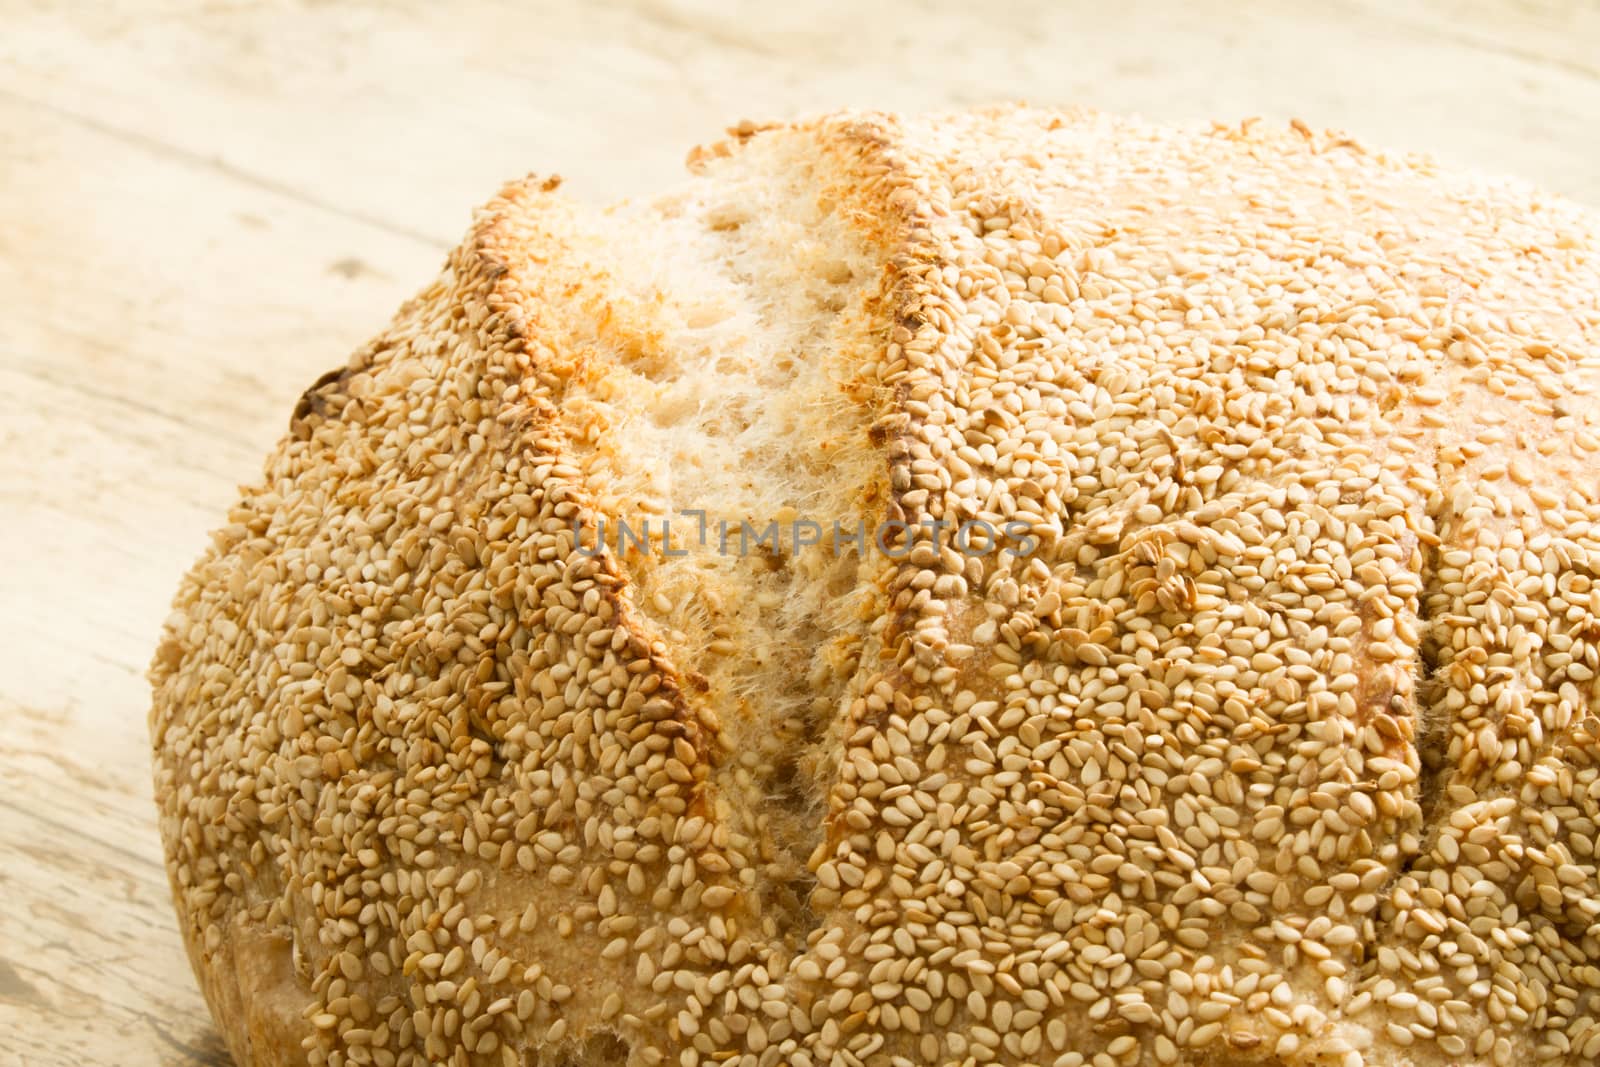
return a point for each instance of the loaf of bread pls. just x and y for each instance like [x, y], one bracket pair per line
[1009, 587]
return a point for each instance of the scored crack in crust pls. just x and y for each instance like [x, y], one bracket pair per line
[1278, 745]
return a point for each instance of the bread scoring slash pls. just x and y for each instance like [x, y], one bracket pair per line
[1278, 745]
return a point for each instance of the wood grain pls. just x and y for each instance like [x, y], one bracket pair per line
[202, 207]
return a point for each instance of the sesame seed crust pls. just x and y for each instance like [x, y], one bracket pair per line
[1280, 745]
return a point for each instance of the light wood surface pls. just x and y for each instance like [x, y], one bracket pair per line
[204, 206]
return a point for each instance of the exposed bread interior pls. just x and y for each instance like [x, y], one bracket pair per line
[717, 405]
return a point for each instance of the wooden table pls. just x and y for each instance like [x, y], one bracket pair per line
[203, 206]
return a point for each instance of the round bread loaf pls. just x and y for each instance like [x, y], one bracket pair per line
[1113, 595]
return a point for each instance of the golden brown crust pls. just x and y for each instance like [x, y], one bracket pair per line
[1277, 744]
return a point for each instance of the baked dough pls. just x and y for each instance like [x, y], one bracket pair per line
[1253, 721]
